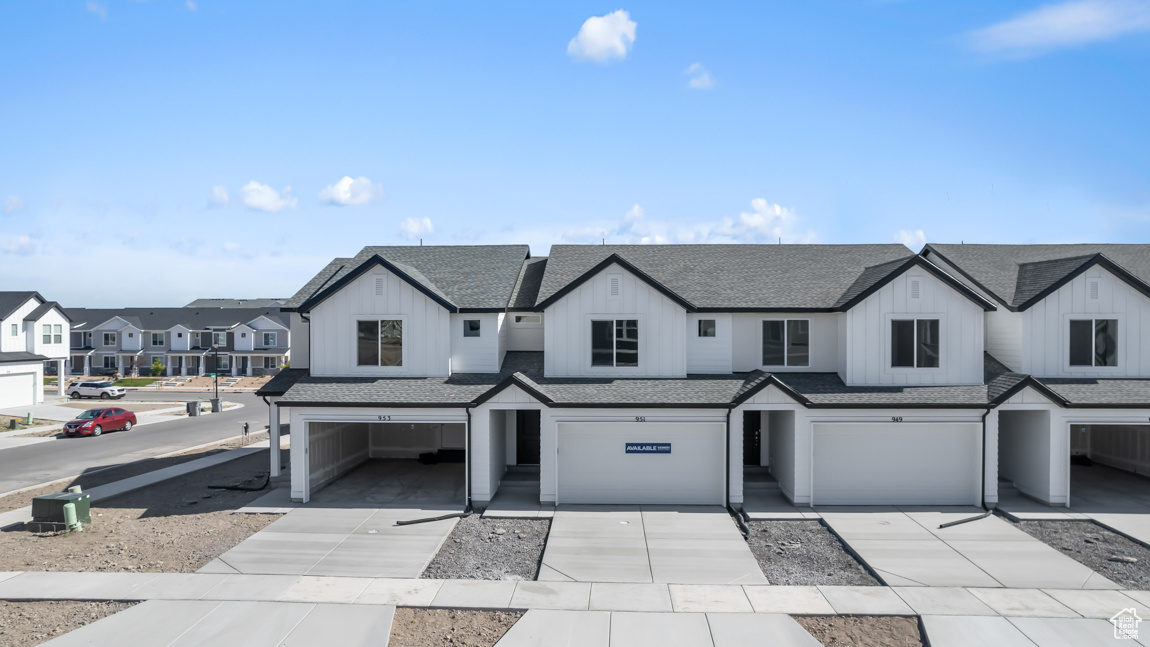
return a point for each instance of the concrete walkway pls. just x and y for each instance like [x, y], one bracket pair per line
[906, 547]
[647, 544]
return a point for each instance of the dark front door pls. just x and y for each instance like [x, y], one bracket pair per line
[752, 423]
[244, 365]
[526, 437]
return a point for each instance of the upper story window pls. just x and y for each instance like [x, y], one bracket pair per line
[379, 343]
[47, 333]
[53, 333]
[269, 338]
[1094, 342]
[219, 339]
[787, 342]
[615, 342]
[470, 327]
[15, 330]
[528, 319]
[157, 339]
[914, 343]
[109, 339]
[706, 327]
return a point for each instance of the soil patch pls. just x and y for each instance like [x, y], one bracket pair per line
[127, 470]
[804, 553]
[1113, 556]
[178, 525]
[31, 623]
[442, 627]
[491, 549]
[21, 422]
[863, 631]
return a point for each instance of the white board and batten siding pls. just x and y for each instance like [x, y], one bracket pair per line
[14, 343]
[662, 327]
[379, 294]
[480, 354]
[709, 354]
[301, 341]
[747, 330]
[867, 333]
[1096, 293]
[524, 332]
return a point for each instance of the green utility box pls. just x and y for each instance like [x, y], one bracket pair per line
[48, 511]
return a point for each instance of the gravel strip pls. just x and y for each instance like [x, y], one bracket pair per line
[804, 553]
[1113, 556]
[491, 549]
[31, 623]
[454, 627]
[863, 631]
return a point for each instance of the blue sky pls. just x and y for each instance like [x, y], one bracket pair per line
[155, 152]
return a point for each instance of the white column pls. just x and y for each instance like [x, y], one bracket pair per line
[274, 436]
[735, 458]
[990, 460]
[87, 365]
[61, 373]
[479, 456]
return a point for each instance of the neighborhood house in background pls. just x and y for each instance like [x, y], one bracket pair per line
[33, 342]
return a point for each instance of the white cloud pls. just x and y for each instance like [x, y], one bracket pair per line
[348, 191]
[14, 204]
[413, 228]
[602, 38]
[219, 197]
[264, 198]
[192, 6]
[700, 77]
[913, 239]
[98, 8]
[764, 223]
[1065, 24]
[17, 245]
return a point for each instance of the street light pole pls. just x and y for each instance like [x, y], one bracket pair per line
[216, 372]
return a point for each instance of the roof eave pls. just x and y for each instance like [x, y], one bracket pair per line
[360, 270]
[614, 258]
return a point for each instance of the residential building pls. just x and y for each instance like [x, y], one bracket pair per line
[236, 303]
[32, 329]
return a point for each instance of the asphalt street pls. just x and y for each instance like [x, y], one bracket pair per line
[34, 464]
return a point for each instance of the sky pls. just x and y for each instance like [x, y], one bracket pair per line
[154, 152]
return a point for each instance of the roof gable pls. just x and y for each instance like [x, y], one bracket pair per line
[615, 259]
[874, 278]
[12, 301]
[403, 272]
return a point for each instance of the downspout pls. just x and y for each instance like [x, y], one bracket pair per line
[981, 483]
[727, 482]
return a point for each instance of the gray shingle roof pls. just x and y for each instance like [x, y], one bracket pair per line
[527, 287]
[469, 276]
[1101, 392]
[735, 276]
[166, 318]
[236, 303]
[1016, 273]
[21, 356]
[42, 310]
[828, 390]
[10, 301]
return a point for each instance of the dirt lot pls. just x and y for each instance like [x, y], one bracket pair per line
[1113, 556]
[443, 627]
[203, 382]
[862, 631]
[177, 526]
[804, 553]
[31, 623]
[134, 407]
[6, 422]
[100, 477]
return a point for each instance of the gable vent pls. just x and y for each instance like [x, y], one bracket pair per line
[1093, 290]
[615, 280]
[914, 288]
[379, 286]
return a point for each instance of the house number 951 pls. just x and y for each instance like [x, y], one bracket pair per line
[640, 418]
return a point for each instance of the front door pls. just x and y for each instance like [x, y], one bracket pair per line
[244, 365]
[752, 449]
[526, 437]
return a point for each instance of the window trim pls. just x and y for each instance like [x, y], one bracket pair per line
[57, 333]
[105, 337]
[224, 334]
[1092, 317]
[161, 339]
[264, 337]
[46, 333]
[405, 344]
[537, 322]
[888, 350]
[699, 328]
[588, 349]
[478, 328]
[786, 334]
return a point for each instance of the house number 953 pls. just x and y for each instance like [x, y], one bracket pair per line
[384, 418]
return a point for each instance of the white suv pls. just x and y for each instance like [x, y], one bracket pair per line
[102, 390]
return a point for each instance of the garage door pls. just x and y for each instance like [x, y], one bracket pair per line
[676, 463]
[17, 390]
[892, 464]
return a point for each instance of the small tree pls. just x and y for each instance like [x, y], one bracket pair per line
[157, 367]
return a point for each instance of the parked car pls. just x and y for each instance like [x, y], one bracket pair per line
[94, 422]
[102, 390]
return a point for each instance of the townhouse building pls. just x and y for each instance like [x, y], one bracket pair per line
[186, 341]
[33, 342]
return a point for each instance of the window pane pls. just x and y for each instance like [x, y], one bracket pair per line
[799, 342]
[602, 340]
[773, 332]
[367, 343]
[1106, 342]
[928, 343]
[391, 342]
[706, 327]
[902, 342]
[470, 327]
[627, 342]
[1081, 341]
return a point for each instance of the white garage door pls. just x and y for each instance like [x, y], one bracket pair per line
[17, 390]
[893, 464]
[677, 463]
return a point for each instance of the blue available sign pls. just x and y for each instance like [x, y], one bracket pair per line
[648, 448]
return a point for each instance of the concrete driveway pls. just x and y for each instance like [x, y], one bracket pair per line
[905, 546]
[647, 544]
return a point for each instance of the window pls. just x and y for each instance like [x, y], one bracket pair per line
[109, 339]
[914, 343]
[528, 319]
[109, 361]
[1094, 342]
[131, 335]
[223, 363]
[157, 339]
[470, 327]
[706, 327]
[219, 339]
[269, 339]
[243, 335]
[15, 330]
[787, 342]
[379, 343]
[615, 342]
[179, 335]
[57, 333]
[270, 363]
[47, 334]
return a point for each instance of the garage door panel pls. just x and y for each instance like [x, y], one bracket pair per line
[17, 390]
[896, 464]
[595, 468]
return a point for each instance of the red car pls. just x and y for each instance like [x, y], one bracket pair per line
[94, 422]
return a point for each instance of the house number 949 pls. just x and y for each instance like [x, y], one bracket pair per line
[896, 418]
